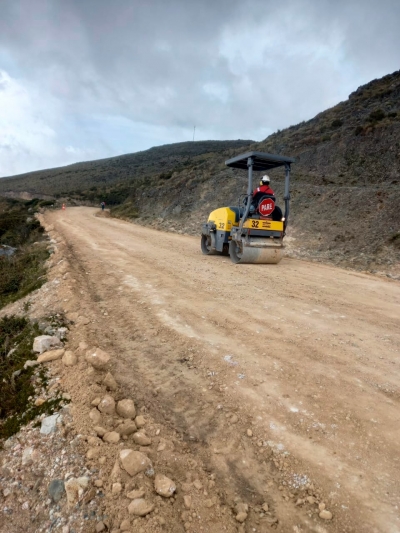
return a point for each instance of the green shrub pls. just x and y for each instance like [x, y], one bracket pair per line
[17, 384]
[24, 271]
[337, 123]
[376, 116]
[395, 238]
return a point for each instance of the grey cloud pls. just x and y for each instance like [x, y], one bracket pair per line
[235, 68]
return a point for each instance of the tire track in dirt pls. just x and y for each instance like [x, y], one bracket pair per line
[319, 390]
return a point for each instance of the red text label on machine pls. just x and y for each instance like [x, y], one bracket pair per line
[266, 207]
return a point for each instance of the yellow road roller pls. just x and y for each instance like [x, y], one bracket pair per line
[253, 231]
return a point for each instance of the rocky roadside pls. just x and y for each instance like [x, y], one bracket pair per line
[99, 462]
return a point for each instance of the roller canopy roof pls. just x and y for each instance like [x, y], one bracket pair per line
[261, 161]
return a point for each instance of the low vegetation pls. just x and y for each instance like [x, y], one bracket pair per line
[22, 271]
[91, 180]
[18, 385]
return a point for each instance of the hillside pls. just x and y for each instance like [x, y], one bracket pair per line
[102, 174]
[345, 187]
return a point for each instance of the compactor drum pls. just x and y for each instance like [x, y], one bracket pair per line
[252, 232]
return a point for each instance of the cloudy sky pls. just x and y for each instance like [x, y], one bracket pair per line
[85, 79]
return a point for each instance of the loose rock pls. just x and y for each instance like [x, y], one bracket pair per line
[45, 342]
[111, 437]
[69, 358]
[241, 510]
[126, 428]
[141, 439]
[92, 453]
[140, 421]
[49, 424]
[126, 409]
[134, 494]
[98, 358]
[30, 363]
[52, 355]
[164, 486]
[241, 517]
[125, 525]
[82, 347]
[100, 431]
[74, 489]
[325, 515]
[39, 401]
[116, 471]
[140, 507]
[29, 456]
[95, 416]
[93, 441]
[116, 488]
[56, 489]
[135, 462]
[109, 382]
[107, 405]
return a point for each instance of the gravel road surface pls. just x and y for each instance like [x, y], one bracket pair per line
[283, 380]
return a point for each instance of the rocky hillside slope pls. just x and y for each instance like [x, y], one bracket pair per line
[95, 178]
[345, 187]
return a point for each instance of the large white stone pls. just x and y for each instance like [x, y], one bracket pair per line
[49, 424]
[45, 342]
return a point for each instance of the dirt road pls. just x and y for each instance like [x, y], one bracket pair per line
[283, 379]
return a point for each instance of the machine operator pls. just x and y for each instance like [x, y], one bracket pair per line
[264, 187]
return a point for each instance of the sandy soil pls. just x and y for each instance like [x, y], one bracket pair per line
[281, 380]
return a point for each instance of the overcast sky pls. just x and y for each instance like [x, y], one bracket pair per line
[85, 79]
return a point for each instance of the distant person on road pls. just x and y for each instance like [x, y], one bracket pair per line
[102, 205]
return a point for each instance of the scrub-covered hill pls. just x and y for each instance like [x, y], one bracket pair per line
[98, 176]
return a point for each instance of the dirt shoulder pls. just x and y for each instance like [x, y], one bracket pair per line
[270, 393]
